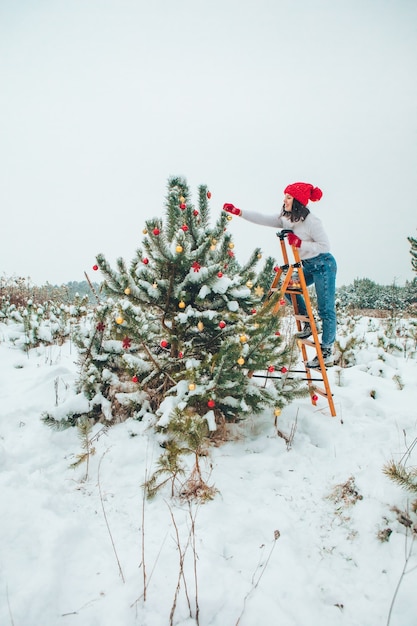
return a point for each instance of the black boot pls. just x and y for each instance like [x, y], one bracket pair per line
[327, 358]
[305, 332]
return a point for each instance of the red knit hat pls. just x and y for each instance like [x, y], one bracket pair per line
[303, 192]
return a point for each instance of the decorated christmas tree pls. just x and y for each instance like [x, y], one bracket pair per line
[185, 326]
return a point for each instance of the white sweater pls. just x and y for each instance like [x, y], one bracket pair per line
[314, 239]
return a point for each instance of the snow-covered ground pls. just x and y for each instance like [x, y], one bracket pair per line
[290, 539]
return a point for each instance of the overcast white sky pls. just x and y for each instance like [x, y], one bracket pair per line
[102, 100]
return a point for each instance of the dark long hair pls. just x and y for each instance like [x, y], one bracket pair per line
[299, 212]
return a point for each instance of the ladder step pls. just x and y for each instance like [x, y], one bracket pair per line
[302, 318]
[307, 342]
[322, 392]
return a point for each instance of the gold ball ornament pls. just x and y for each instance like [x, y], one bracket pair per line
[181, 304]
[127, 291]
[182, 199]
[229, 218]
[240, 360]
[231, 245]
[145, 231]
[249, 284]
[191, 386]
[277, 412]
[243, 339]
[259, 256]
[179, 249]
[200, 326]
[119, 320]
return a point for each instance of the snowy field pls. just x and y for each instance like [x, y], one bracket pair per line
[292, 538]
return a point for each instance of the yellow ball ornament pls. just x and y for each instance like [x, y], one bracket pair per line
[119, 320]
[277, 412]
[240, 360]
[229, 218]
[179, 249]
[200, 326]
[145, 231]
[231, 245]
[181, 304]
[191, 386]
[243, 339]
[127, 291]
[249, 284]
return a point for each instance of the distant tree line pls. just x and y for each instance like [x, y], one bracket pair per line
[19, 291]
[364, 293]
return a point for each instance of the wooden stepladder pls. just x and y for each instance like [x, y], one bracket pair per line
[294, 283]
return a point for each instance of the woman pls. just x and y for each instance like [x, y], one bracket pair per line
[319, 266]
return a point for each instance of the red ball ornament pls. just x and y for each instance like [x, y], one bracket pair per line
[134, 379]
[278, 334]
[164, 344]
[95, 268]
[211, 404]
[195, 212]
[253, 311]
[219, 274]
[284, 370]
[145, 261]
[184, 228]
[314, 398]
[156, 231]
[209, 195]
[271, 368]
[180, 355]
[276, 268]
[222, 324]
[231, 253]
[282, 302]
[183, 206]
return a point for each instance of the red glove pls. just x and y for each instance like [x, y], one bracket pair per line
[293, 240]
[230, 208]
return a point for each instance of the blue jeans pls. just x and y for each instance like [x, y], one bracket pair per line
[320, 271]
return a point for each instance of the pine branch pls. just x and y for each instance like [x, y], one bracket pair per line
[407, 479]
